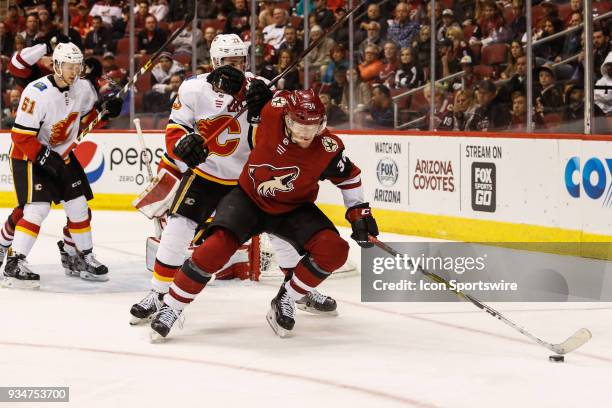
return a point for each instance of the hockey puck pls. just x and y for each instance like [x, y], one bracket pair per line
[556, 359]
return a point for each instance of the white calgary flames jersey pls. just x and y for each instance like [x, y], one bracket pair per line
[199, 107]
[52, 114]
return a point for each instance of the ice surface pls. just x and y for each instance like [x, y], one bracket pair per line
[75, 333]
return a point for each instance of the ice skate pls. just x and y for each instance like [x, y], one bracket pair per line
[68, 261]
[163, 322]
[317, 303]
[146, 308]
[18, 275]
[90, 268]
[3, 251]
[280, 317]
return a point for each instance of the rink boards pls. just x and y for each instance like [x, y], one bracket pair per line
[474, 187]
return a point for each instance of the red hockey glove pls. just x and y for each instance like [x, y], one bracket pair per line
[362, 223]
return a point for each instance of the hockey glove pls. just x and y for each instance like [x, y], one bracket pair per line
[54, 38]
[227, 78]
[191, 150]
[362, 223]
[50, 161]
[112, 105]
[257, 96]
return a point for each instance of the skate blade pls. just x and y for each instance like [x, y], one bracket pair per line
[94, 278]
[135, 321]
[280, 332]
[310, 309]
[71, 273]
[155, 337]
[13, 283]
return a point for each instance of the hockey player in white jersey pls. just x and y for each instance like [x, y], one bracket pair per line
[46, 170]
[203, 104]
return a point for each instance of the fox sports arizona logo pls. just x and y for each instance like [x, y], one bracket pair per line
[92, 160]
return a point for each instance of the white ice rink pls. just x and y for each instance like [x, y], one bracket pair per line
[73, 333]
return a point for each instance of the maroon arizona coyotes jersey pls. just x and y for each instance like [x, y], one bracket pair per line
[280, 176]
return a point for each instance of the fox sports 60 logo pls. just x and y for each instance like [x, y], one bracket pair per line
[91, 158]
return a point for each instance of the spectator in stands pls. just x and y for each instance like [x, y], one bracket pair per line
[390, 64]
[518, 26]
[177, 10]
[401, 30]
[266, 13]
[337, 87]
[573, 106]
[469, 80]
[163, 100]
[274, 33]
[362, 92]
[203, 56]
[239, 19]
[291, 42]
[373, 38]
[45, 24]
[572, 43]
[460, 47]
[448, 21]
[107, 11]
[519, 112]
[548, 97]
[426, 19]
[163, 70]
[7, 41]
[603, 88]
[31, 33]
[409, 74]
[516, 51]
[601, 47]
[81, 21]
[446, 63]
[381, 107]
[98, 40]
[491, 26]
[550, 50]
[15, 22]
[268, 51]
[441, 105]
[370, 68]
[141, 13]
[323, 15]
[491, 114]
[183, 42]
[291, 81]
[335, 115]
[160, 9]
[422, 46]
[19, 43]
[151, 38]
[575, 7]
[517, 82]
[319, 57]
[458, 115]
[108, 62]
[341, 35]
[373, 16]
[207, 9]
[10, 112]
[338, 59]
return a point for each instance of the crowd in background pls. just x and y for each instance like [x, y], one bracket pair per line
[483, 40]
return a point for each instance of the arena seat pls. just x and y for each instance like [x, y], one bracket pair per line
[494, 54]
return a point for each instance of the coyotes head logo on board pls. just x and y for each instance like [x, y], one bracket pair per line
[268, 179]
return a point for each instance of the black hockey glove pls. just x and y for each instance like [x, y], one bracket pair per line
[227, 78]
[191, 150]
[53, 38]
[257, 96]
[362, 223]
[50, 161]
[112, 105]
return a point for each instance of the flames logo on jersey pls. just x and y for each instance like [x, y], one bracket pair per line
[209, 126]
[268, 179]
[61, 130]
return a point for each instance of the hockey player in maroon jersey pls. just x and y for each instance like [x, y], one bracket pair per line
[277, 190]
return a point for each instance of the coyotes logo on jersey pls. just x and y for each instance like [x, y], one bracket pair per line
[267, 179]
[61, 130]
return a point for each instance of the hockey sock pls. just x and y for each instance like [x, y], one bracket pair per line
[163, 275]
[307, 276]
[79, 223]
[188, 283]
[8, 229]
[26, 230]
[68, 242]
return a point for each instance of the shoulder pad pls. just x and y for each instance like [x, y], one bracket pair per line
[41, 86]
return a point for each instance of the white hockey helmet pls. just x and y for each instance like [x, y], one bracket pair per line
[66, 53]
[227, 45]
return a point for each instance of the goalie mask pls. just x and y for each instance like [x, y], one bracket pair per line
[228, 45]
[304, 116]
[67, 62]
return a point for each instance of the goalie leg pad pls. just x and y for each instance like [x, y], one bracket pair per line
[157, 197]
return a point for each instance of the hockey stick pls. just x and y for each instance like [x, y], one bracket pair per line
[142, 70]
[573, 342]
[148, 159]
[299, 59]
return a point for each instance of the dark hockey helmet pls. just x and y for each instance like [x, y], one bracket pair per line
[305, 113]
